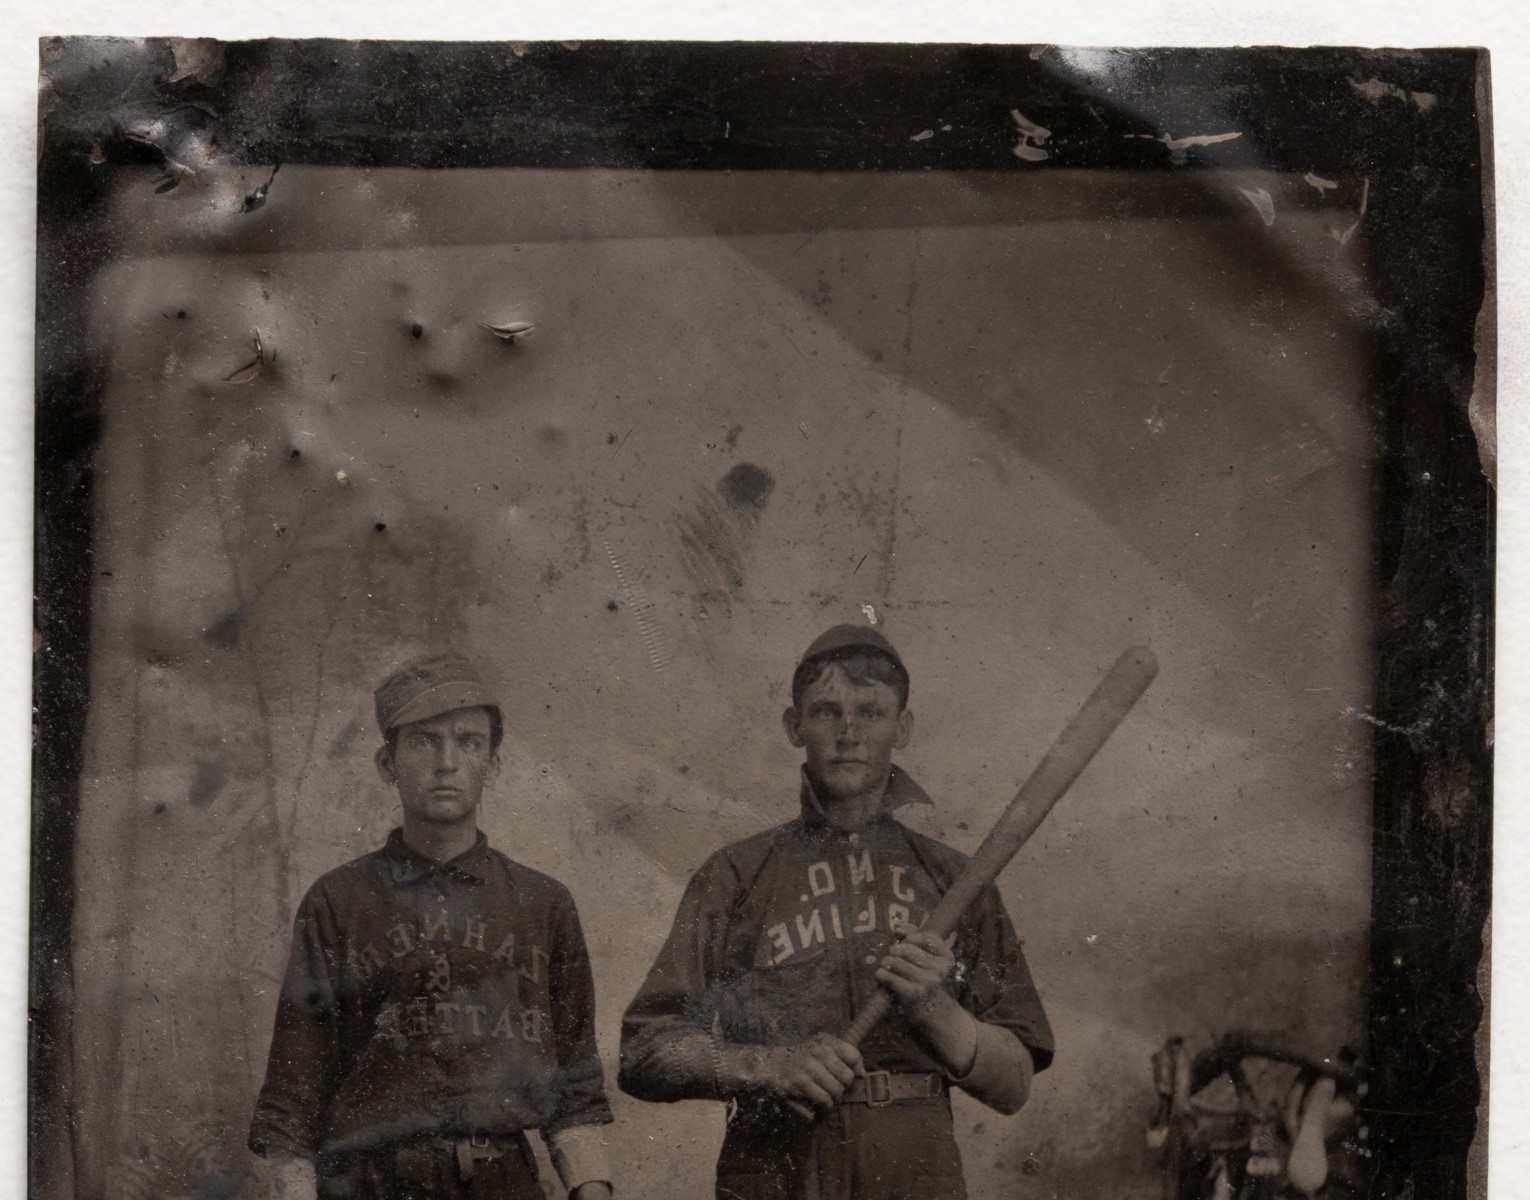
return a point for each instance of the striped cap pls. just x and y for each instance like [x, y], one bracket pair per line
[429, 687]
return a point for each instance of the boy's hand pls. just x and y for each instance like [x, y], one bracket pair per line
[291, 1177]
[818, 1071]
[915, 969]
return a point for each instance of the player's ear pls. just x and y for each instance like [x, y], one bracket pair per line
[384, 760]
[791, 721]
[491, 769]
[905, 729]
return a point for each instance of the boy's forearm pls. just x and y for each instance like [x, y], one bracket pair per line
[678, 1064]
[292, 1177]
[579, 1155]
[948, 1029]
[988, 1062]
[695, 1066]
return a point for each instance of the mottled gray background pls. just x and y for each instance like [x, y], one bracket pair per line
[1025, 419]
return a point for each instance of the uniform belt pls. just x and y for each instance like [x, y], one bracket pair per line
[471, 1150]
[878, 1088]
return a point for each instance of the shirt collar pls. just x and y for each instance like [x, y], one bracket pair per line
[409, 865]
[901, 790]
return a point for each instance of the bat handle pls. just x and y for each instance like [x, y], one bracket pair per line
[867, 1016]
[865, 1020]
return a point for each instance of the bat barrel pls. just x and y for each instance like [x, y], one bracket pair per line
[1078, 743]
[1083, 736]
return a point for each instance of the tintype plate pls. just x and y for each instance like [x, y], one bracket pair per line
[626, 370]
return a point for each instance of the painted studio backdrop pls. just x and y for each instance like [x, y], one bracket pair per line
[1018, 421]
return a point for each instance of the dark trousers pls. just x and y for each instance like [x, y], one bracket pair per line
[904, 1151]
[431, 1169]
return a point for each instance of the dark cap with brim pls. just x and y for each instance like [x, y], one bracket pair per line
[428, 688]
[845, 640]
[848, 639]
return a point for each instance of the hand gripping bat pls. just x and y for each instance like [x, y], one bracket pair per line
[1105, 709]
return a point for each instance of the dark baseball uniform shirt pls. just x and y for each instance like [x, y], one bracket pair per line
[778, 937]
[426, 998]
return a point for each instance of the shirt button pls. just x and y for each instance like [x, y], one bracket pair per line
[871, 960]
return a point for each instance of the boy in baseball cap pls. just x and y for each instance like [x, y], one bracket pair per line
[782, 937]
[438, 1002]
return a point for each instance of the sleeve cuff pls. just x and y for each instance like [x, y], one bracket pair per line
[579, 1154]
[269, 1143]
[1001, 1071]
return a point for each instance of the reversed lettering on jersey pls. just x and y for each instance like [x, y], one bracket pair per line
[433, 941]
[457, 1020]
[439, 1001]
[430, 955]
[836, 900]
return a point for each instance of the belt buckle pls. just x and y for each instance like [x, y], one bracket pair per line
[878, 1089]
[479, 1141]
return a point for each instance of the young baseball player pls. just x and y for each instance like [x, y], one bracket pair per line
[781, 937]
[438, 1002]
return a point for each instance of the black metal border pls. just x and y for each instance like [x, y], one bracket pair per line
[750, 106]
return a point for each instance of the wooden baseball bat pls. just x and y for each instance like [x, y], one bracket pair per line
[1105, 709]
[1090, 728]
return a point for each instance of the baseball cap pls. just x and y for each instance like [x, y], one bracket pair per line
[842, 641]
[851, 639]
[428, 687]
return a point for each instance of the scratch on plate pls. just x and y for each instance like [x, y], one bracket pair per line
[1032, 136]
[200, 60]
[1184, 143]
[923, 135]
[184, 138]
[871, 612]
[1343, 235]
[1406, 730]
[1263, 204]
[1317, 181]
[1376, 90]
[248, 372]
[257, 198]
[641, 607]
[508, 331]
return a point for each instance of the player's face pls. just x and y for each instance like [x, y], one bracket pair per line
[441, 766]
[849, 731]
